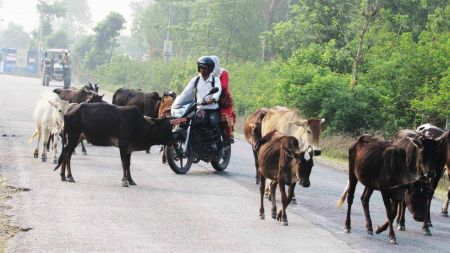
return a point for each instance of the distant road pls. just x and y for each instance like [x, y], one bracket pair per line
[202, 211]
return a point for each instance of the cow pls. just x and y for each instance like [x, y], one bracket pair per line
[281, 160]
[49, 118]
[86, 94]
[252, 131]
[78, 95]
[290, 122]
[104, 124]
[164, 111]
[420, 159]
[149, 104]
[380, 165]
[443, 156]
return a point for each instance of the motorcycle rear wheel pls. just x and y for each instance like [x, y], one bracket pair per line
[222, 164]
[179, 162]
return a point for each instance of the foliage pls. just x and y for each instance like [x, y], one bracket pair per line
[297, 54]
[15, 37]
[58, 39]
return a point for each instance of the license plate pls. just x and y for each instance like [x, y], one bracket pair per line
[177, 121]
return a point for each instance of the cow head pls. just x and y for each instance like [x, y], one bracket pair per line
[301, 165]
[61, 108]
[415, 196]
[426, 150]
[164, 107]
[161, 131]
[309, 131]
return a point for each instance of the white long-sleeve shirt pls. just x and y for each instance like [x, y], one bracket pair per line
[203, 88]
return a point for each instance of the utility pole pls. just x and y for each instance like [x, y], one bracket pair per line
[168, 43]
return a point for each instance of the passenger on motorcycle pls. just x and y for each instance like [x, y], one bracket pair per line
[199, 87]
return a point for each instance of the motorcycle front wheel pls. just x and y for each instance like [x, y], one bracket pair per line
[178, 161]
[222, 164]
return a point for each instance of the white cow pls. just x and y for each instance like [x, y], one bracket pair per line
[49, 118]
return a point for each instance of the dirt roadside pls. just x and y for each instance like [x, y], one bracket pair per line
[7, 230]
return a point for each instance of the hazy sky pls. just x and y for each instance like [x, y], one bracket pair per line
[24, 12]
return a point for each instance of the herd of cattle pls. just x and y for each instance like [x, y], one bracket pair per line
[406, 170]
[135, 121]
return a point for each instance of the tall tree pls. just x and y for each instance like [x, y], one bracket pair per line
[107, 32]
[371, 8]
[14, 36]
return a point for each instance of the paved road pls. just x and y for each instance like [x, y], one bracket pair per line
[202, 211]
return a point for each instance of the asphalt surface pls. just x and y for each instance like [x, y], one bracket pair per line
[202, 211]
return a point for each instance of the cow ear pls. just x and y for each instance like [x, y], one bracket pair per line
[322, 121]
[299, 122]
[416, 142]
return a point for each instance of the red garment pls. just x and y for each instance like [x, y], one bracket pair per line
[227, 114]
[224, 81]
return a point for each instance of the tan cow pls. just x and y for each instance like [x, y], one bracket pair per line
[291, 123]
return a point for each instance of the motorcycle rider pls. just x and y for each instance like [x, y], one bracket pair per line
[198, 88]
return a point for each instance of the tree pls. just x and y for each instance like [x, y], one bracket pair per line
[14, 36]
[105, 40]
[58, 39]
[47, 13]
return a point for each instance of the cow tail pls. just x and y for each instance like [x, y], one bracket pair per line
[34, 135]
[344, 195]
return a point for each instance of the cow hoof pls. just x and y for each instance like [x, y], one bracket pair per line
[370, 233]
[294, 202]
[430, 225]
[347, 230]
[444, 214]
[70, 179]
[35, 155]
[274, 216]
[44, 159]
[284, 223]
[55, 161]
[63, 178]
[401, 228]
[84, 153]
[392, 241]
[426, 232]
[131, 182]
[262, 216]
[125, 183]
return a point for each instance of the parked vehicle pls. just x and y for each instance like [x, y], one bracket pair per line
[8, 59]
[195, 141]
[56, 67]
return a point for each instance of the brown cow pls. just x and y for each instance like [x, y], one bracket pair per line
[252, 131]
[281, 160]
[443, 159]
[420, 159]
[381, 166]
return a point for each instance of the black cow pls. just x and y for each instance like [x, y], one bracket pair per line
[110, 125]
[147, 103]
[443, 156]
[421, 159]
[380, 165]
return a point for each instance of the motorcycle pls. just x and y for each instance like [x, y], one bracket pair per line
[195, 140]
